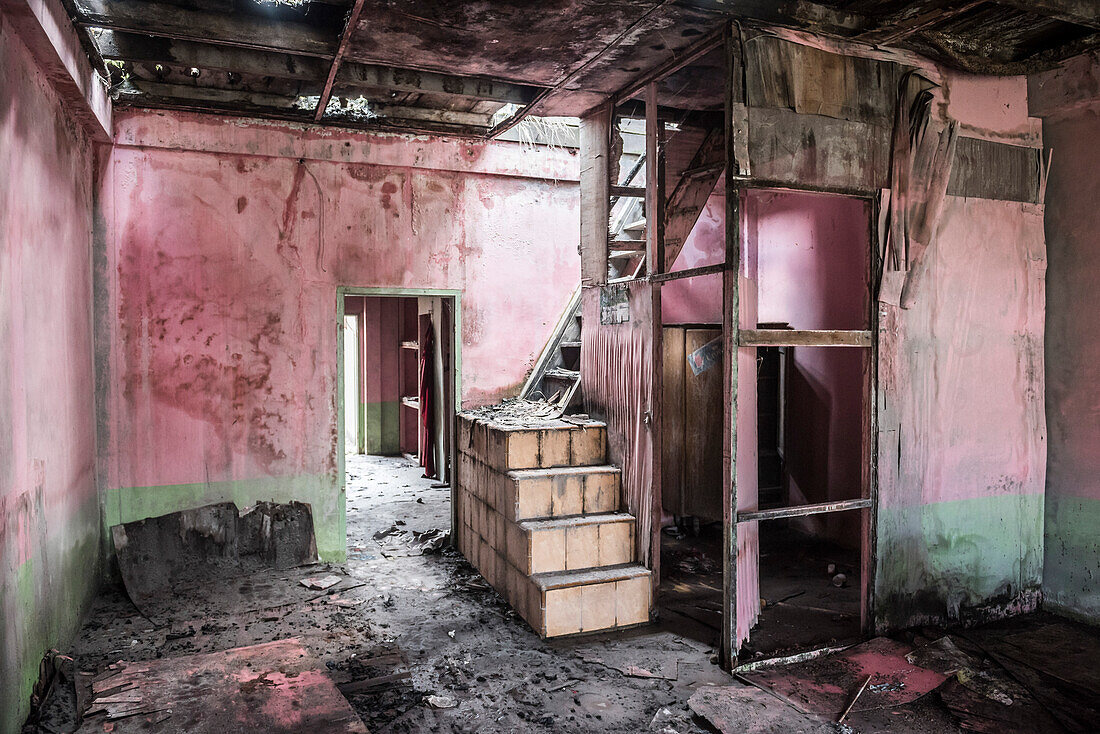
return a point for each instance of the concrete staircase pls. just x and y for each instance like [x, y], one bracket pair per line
[539, 517]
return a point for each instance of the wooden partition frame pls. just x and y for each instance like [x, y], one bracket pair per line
[738, 178]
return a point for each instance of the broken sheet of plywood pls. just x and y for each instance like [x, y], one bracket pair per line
[746, 710]
[825, 685]
[159, 555]
[272, 688]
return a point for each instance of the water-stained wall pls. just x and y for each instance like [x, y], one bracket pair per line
[49, 517]
[1068, 99]
[227, 240]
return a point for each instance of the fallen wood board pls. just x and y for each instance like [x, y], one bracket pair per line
[746, 710]
[824, 685]
[272, 688]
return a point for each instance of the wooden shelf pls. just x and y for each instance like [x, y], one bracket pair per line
[409, 345]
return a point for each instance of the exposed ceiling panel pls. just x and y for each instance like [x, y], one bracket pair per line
[473, 68]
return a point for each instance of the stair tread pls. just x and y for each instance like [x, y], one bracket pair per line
[587, 576]
[601, 518]
[573, 344]
[534, 424]
[554, 471]
[563, 372]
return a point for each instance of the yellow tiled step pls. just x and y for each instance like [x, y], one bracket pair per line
[534, 494]
[573, 602]
[570, 544]
[541, 444]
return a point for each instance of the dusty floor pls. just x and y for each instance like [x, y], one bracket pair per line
[419, 643]
[803, 608]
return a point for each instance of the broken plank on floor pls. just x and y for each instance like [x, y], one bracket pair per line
[271, 688]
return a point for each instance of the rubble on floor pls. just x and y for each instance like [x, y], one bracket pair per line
[420, 643]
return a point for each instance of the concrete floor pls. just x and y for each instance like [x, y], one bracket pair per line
[452, 654]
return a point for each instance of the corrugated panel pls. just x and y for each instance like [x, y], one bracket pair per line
[988, 170]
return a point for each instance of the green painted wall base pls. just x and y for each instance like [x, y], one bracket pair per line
[1071, 571]
[382, 430]
[965, 560]
[43, 600]
[320, 491]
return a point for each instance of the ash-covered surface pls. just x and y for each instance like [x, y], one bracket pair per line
[399, 633]
[520, 413]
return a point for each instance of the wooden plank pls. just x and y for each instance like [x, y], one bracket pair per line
[989, 170]
[655, 185]
[728, 643]
[689, 273]
[595, 172]
[673, 430]
[350, 25]
[1079, 12]
[230, 29]
[804, 338]
[637, 192]
[817, 152]
[803, 510]
[702, 491]
[707, 44]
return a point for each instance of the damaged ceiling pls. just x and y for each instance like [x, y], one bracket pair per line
[475, 68]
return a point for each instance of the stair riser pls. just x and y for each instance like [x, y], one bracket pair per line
[565, 611]
[535, 495]
[505, 450]
[594, 607]
[571, 548]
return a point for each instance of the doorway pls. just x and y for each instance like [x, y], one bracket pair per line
[803, 425]
[399, 357]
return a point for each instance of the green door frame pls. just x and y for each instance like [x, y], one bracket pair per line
[346, 290]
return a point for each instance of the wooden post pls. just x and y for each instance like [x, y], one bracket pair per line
[595, 151]
[729, 643]
[654, 184]
[655, 255]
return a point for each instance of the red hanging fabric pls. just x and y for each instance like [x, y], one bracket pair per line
[427, 397]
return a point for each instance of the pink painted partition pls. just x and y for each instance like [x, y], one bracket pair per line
[226, 241]
[962, 431]
[618, 384]
[49, 511]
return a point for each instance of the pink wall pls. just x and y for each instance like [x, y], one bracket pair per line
[49, 514]
[1069, 100]
[810, 253]
[227, 241]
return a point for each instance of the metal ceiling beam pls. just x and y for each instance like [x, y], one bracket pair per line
[143, 93]
[237, 30]
[345, 38]
[409, 80]
[124, 46]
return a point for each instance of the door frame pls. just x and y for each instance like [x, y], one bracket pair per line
[456, 368]
[729, 644]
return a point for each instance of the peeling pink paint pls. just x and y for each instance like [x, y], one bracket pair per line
[227, 261]
[48, 504]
